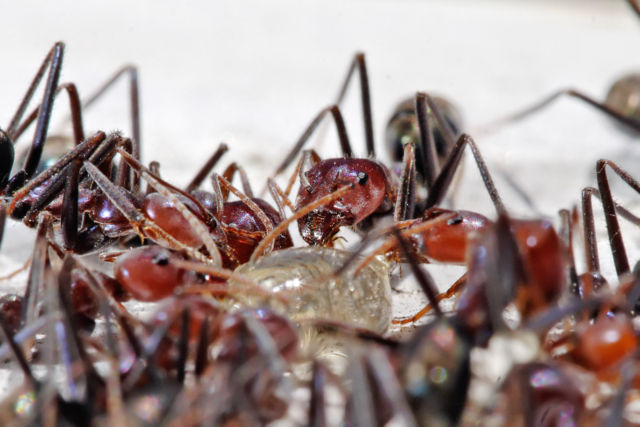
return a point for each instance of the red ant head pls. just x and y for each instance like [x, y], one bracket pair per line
[369, 182]
[148, 273]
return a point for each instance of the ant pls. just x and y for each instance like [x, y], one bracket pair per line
[374, 191]
[43, 150]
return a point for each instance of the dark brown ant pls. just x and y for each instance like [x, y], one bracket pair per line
[43, 193]
[402, 128]
[35, 161]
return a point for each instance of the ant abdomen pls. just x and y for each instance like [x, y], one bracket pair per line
[402, 128]
[624, 96]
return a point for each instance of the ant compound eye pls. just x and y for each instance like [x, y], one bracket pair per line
[362, 178]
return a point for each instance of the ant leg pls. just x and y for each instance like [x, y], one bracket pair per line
[405, 197]
[54, 62]
[244, 283]
[268, 239]
[7, 156]
[217, 193]
[545, 320]
[316, 415]
[36, 277]
[424, 279]
[628, 372]
[17, 353]
[635, 6]
[3, 218]
[201, 349]
[391, 400]
[123, 176]
[313, 159]
[183, 345]
[57, 183]
[568, 221]
[504, 269]
[443, 181]
[518, 116]
[74, 106]
[520, 192]
[340, 127]
[279, 197]
[139, 221]
[134, 100]
[453, 290]
[64, 292]
[154, 167]
[268, 225]
[146, 361]
[360, 408]
[609, 206]
[228, 174]
[308, 160]
[449, 135]
[427, 149]
[70, 206]
[592, 260]
[359, 63]
[407, 228]
[207, 167]
[82, 151]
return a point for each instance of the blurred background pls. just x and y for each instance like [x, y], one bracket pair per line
[254, 74]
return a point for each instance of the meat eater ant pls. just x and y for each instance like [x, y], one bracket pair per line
[46, 151]
[375, 191]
